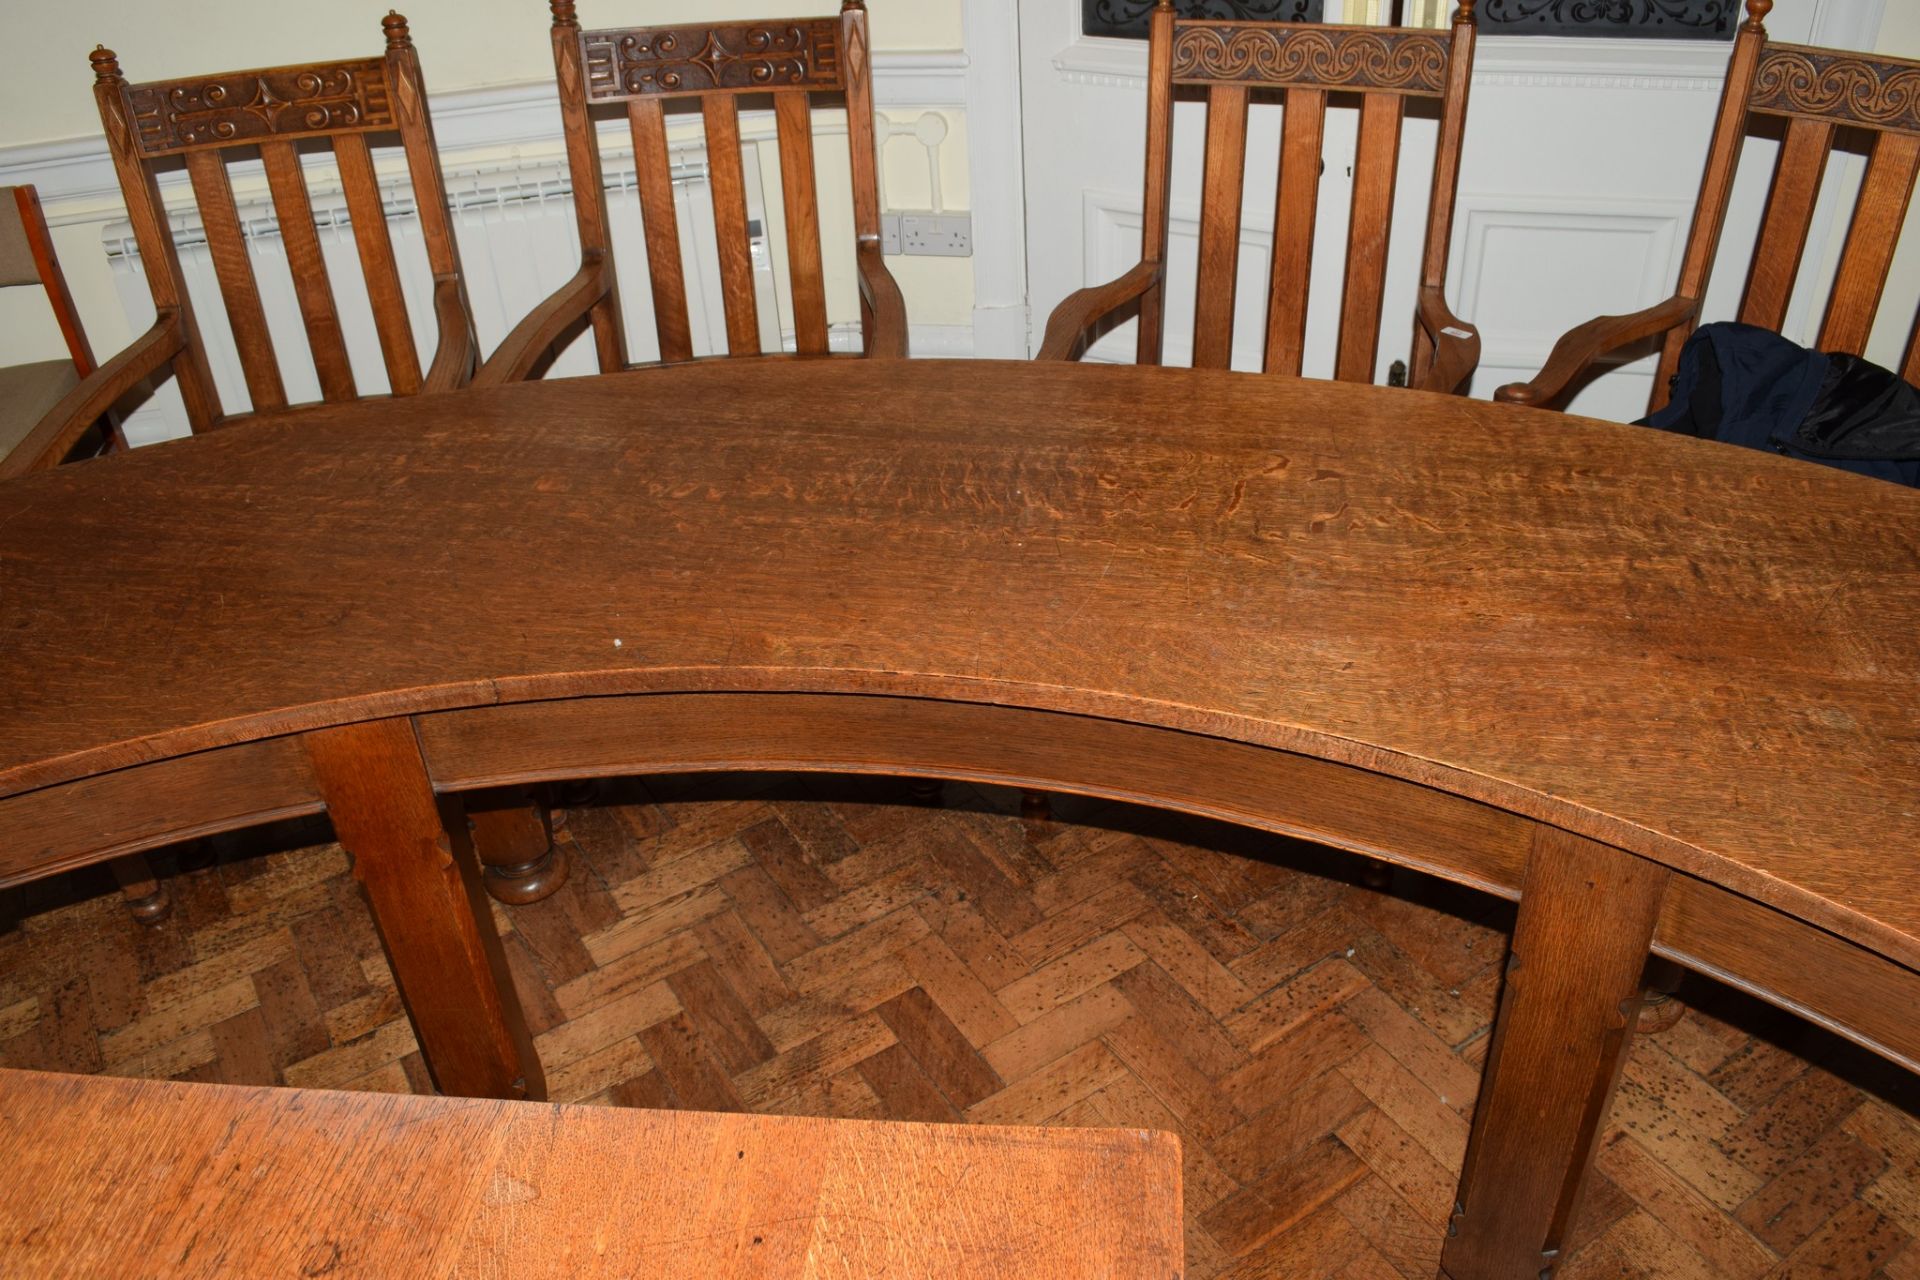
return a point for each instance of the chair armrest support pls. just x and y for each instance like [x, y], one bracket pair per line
[454, 362]
[522, 349]
[1083, 316]
[1580, 347]
[1456, 344]
[80, 408]
[887, 338]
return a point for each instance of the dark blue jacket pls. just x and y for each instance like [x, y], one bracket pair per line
[1750, 386]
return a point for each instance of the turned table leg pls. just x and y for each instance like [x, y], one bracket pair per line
[1587, 914]
[513, 836]
[424, 883]
[147, 899]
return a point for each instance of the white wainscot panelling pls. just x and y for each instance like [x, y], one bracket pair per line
[1530, 268]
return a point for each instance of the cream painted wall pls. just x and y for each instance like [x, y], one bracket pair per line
[1900, 30]
[45, 87]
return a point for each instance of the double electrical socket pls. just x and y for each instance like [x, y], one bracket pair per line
[927, 235]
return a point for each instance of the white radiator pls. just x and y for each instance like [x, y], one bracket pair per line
[517, 241]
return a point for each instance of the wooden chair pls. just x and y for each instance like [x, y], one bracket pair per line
[206, 121]
[714, 65]
[1308, 63]
[27, 393]
[1815, 93]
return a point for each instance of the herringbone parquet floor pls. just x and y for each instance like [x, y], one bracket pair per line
[809, 946]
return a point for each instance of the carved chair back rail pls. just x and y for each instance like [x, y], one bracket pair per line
[1817, 93]
[207, 122]
[1304, 65]
[644, 71]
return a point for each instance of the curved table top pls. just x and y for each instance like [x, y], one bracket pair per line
[1701, 654]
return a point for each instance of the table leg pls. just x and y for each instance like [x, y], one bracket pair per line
[1587, 914]
[147, 899]
[424, 883]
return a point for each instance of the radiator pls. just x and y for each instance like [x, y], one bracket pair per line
[518, 242]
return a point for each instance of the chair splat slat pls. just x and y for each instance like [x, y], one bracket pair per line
[653, 170]
[1871, 240]
[310, 282]
[1220, 226]
[729, 183]
[375, 246]
[1295, 211]
[227, 245]
[793, 116]
[1789, 216]
[1376, 162]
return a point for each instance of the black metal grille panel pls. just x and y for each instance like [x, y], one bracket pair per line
[1129, 17]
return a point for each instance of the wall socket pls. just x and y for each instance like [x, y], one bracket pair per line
[927, 235]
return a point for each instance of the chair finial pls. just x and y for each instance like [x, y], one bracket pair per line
[846, 5]
[563, 13]
[396, 28]
[1463, 16]
[1164, 4]
[1757, 11]
[106, 64]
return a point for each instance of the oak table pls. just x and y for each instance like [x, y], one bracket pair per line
[1664, 692]
[124, 1177]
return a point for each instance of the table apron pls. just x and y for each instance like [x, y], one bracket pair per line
[1754, 947]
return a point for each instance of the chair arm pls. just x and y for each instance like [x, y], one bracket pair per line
[522, 349]
[1456, 344]
[1580, 347]
[1083, 316]
[453, 363]
[80, 408]
[881, 293]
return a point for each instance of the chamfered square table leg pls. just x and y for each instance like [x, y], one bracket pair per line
[424, 883]
[1587, 914]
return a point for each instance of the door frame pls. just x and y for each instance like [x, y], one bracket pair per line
[996, 162]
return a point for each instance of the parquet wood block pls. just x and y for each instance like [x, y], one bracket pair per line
[811, 946]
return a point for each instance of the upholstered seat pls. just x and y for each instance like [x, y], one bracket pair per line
[27, 392]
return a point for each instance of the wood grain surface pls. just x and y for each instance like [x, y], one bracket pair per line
[1693, 652]
[124, 1177]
